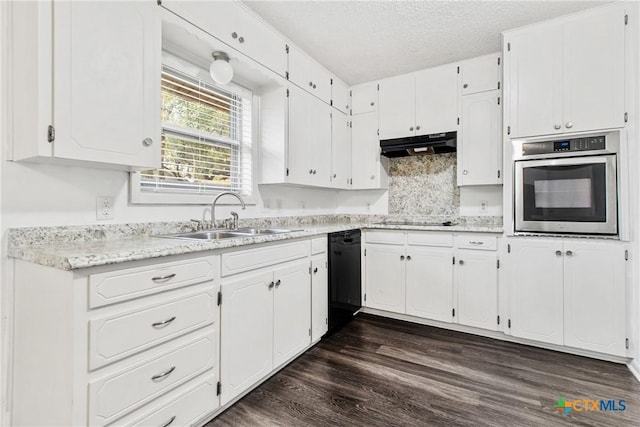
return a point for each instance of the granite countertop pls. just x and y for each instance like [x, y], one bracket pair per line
[71, 248]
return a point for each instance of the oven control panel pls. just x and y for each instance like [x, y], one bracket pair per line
[565, 145]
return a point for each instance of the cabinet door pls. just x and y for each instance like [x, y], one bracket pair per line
[430, 282]
[364, 98]
[246, 332]
[340, 150]
[291, 311]
[480, 148]
[385, 277]
[477, 289]
[259, 42]
[200, 13]
[535, 286]
[594, 296]
[593, 70]
[535, 77]
[480, 74]
[340, 96]
[365, 151]
[107, 82]
[300, 140]
[397, 107]
[319, 296]
[320, 137]
[436, 94]
[309, 75]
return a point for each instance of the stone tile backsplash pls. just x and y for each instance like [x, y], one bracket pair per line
[424, 186]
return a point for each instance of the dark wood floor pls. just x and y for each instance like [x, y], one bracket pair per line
[382, 372]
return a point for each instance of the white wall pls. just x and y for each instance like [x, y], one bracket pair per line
[472, 199]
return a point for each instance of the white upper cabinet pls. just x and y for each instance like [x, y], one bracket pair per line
[566, 75]
[305, 72]
[368, 170]
[340, 150]
[481, 74]
[419, 103]
[397, 107]
[340, 98]
[364, 98]
[90, 71]
[231, 23]
[436, 100]
[480, 139]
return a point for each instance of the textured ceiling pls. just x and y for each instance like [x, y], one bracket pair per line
[361, 41]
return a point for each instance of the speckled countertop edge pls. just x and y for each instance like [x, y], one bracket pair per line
[105, 248]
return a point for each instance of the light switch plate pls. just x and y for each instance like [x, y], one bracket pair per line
[104, 208]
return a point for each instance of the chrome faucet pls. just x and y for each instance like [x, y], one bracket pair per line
[213, 207]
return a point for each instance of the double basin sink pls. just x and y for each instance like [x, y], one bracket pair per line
[227, 234]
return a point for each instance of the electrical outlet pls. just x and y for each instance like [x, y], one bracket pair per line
[104, 208]
[484, 205]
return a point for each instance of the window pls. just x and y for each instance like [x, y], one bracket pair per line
[206, 140]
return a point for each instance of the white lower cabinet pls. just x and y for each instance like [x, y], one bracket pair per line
[416, 273]
[430, 283]
[246, 333]
[477, 288]
[385, 277]
[569, 292]
[319, 296]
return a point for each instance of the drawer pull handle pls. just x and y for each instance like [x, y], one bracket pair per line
[163, 375]
[163, 323]
[168, 423]
[164, 278]
[278, 283]
[476, 243]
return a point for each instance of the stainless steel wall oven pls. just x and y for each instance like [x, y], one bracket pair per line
[567, 185]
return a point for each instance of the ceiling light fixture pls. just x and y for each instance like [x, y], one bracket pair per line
[220, 69]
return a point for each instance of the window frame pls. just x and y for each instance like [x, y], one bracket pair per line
[139, 196]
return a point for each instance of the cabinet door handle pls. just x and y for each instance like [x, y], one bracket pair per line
[461, 262]
[569, 125]
[569, 253]
[418, 127]
[465, 86]
[310, 171]
[373, 103]
[234, 35]
[334, 175]
[241, 39]
[164, 374]
[168, 423]
[163, 278]
[401, 257]
[408, 257]
[311, 84]
[147, 142]
[314, 85]
[315, 270]
[558, 253]
[163, 323]
[411, 128]
[557, 126]
[271, 285]
[278, 283]
[464, 172]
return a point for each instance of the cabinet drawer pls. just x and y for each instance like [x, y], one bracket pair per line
[385, 237]
[430, 239]
[474, 241]
[186, 409]
[121, 285]
[119, 335]
[120, 393]
[250, 259]
[319, 245]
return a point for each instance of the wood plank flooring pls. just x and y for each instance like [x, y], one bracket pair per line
[383, 372]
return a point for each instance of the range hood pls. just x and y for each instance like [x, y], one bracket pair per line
[418, 145]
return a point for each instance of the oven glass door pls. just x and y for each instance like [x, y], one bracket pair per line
[573, 195]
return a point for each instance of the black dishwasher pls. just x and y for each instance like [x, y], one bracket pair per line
[345, 294]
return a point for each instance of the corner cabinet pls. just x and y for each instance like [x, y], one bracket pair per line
[569, 292]
[567, 74]
[86, 82]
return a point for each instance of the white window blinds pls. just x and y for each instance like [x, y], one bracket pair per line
[206, 138]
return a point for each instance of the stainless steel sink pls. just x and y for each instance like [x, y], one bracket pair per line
[209, 235]
[226, 234]
[264, 230]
